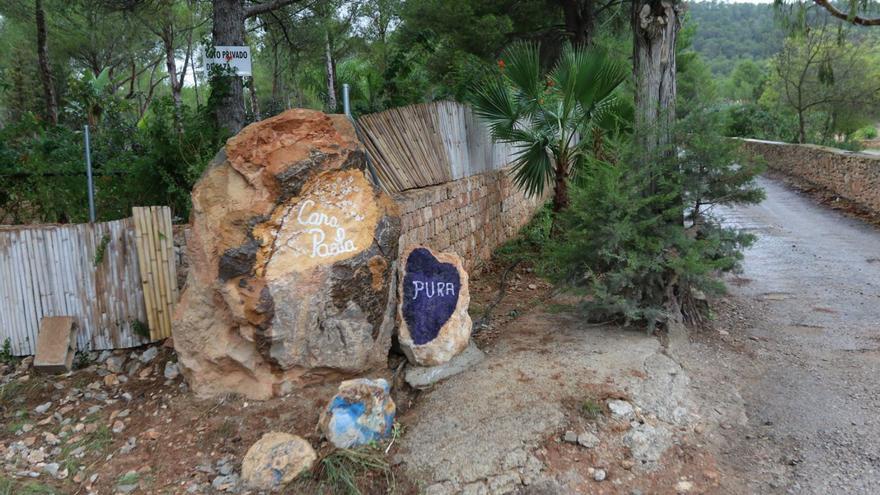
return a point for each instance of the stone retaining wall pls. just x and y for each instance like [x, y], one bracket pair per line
[854, 176]
[471, 216]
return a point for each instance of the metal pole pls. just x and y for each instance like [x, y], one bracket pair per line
[89, 175]
[346, 103]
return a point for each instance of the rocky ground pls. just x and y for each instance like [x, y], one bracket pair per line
[125, 421]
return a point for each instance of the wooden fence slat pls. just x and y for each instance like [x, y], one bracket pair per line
[158, 214]
[143, 261]
[156, 270]
[156, 258]
[155, 251]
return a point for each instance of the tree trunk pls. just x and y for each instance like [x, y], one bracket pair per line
[560, 195]
[229, 30]
[580, 21]
[802, 127]
[43, 61]
[255, 104]
[655, 26]
[560, 190]
[171, 63]
[192, 62]
[331, 74]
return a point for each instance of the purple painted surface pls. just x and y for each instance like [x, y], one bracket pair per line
[430, 294]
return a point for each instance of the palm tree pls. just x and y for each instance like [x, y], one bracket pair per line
[543, 116]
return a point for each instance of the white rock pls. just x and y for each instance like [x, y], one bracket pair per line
[171, 370]
[588, 440]
[424, 377]
[42, 408]
[52, 469]
[274, 460]
[149, 355]
[599, 475]
[647, 444]
[114, 363]
[684, 486]
[620, 409]
[36, 456]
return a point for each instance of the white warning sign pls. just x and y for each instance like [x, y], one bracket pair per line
[237, 58]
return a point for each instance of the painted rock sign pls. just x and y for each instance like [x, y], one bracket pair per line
[333, 220]
[292, 258]
[430, 294]
[434, 298]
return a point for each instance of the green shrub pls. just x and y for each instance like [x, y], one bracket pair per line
[867, 132]
[6, 356]
[639, 239]
[750, 120]
[630, 251]
[151, 161]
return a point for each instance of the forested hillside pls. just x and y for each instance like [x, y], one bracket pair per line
[728, 32]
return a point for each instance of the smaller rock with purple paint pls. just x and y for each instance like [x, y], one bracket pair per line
[433, 310]
[362, 411]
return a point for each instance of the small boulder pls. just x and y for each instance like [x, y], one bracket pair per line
[433, 310]
[361, 411]
[275, 460]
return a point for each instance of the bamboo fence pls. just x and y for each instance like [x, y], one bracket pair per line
[92, 272]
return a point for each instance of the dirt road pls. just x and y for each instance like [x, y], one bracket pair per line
[803, 364]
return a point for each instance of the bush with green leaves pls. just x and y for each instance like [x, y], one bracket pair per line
[153, 161]
[639, 240]
[867, 132]
[750, 120]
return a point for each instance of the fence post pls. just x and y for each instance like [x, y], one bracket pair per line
[89, 175]
[346, 101]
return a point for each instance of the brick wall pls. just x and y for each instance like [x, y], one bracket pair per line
[470, 216]
[854, 176]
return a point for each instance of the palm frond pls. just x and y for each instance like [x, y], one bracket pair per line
[522, 66]
[493, 102]
[587, 75]
[532, 166]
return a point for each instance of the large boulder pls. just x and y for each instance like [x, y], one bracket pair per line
[291, 261]
[434, 324]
